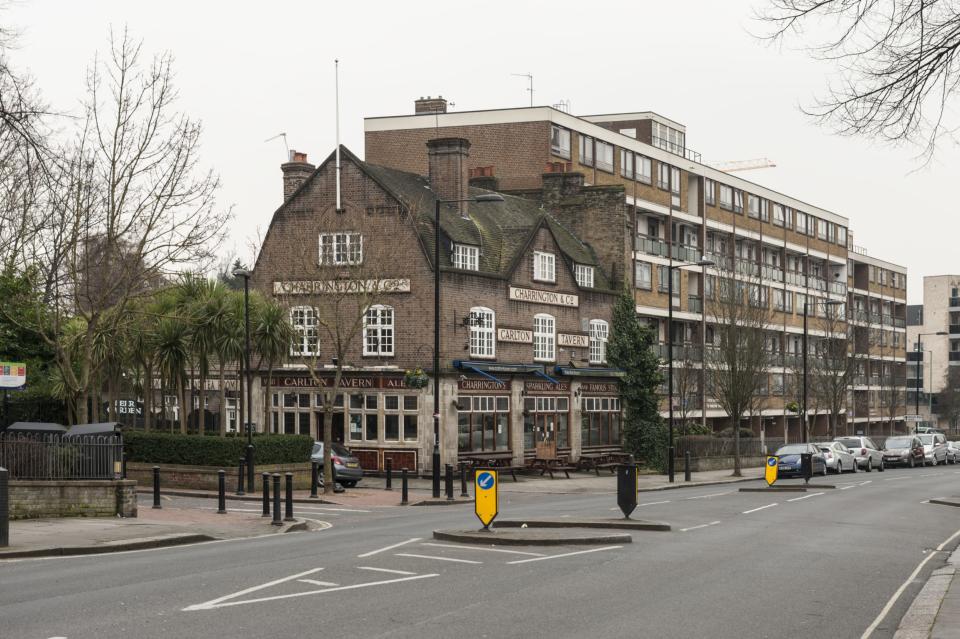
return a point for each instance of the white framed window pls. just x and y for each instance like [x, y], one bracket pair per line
[586, 150]
[644, 169]
[753, 208]
[604, 156]
[560, 141]
[779, 217]
[341, 249]
[726, 197]
[378, 330]
[842, 235]
[466, 257]
[709, 191]
[544, 338]
[544, 266]
[663, 176]
[584, 275]
[801, 223]
[626, 164]
[303, 319]
[599, 333]
[737, 201]
[821, 229]
[643, 277]
[482, 332]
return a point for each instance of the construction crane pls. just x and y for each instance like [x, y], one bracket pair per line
[743, 165]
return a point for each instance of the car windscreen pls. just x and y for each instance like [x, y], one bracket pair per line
[317, 448]
[926, 440]
[899, 442]
[850, 443]
[340, 449]
[793, 450]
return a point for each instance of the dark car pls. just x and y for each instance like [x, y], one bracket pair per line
[346, 467]
[789, 464]
[903, 450]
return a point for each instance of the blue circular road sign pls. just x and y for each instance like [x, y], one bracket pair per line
[772, 461]
[485, 481]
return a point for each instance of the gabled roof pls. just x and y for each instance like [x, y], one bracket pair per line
[502, 230]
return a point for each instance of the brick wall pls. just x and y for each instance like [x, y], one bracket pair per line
[207, 477]
[76, 498]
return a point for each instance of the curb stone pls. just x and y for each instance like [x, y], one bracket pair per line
[610, 524]
[529, 538]
[132, 544]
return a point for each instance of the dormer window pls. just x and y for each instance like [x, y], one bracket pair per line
[544, 267]
[466, 257]
[584, 275]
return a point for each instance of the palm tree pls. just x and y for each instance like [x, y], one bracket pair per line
[171, 344]
[228, 342]
[271, 338]
[200, 301]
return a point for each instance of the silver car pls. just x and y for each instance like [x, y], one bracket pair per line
[346, 467]
[839, 458]
[934, 448]
[953, 452]
[868, 455]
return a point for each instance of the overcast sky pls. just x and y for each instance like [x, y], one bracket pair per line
[250, 73]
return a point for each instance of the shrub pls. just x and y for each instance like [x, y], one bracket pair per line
[207, 450]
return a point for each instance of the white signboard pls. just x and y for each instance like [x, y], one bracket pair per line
[578, 341]
[516, 335]
[13, 374]
[322, 287]
[912, 418]
[543, 297]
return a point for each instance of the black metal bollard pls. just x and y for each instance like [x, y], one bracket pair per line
[156, 487]
[463, 480]
[222, 492]
[403, 486]
[4, 507]
[448, 481]
[240, 477]
[266, 495]
[123, 464]
[313, 480]
[276, 500]
[388, 463]
[288, 515]
[686, 465]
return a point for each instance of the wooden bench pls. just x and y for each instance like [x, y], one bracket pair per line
[498, 461]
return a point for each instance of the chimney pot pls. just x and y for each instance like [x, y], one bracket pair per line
[430, 105]
[295, 172]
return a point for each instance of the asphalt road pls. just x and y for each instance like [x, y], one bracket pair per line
[735, 565]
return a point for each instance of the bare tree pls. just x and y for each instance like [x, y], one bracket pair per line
[686, 386]
[738, 359]
[897, 63]
[831, 368]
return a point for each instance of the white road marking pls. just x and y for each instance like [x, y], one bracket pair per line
[402, 543]
[214, 602]
[712, 523]
[896, 478]
[864, 483]
[710, 495]
[747, 512]
[808, 496]
[566, 554]
[848, 487]
[903, 586]
[650, 503]
[511, 552]
[210, 605]
[459, 561]
[395, 572]
[325, 584]
[927, 475]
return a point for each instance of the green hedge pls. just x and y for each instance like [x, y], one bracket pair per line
[207, 450]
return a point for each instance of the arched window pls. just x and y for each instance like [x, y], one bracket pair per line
[482, 332]
[378, 330]
[599, 332]
[304, 322]
[544, 338]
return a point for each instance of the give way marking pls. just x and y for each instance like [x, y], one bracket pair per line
[232, 599]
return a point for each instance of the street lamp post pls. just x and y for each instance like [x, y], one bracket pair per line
[248, 424]
[805, 333]
[487, 197]
[670, 268]
[918, 384]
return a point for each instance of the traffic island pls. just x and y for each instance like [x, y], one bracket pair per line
[570, 522]
[528, 537]
[775, 489]
[946, 501]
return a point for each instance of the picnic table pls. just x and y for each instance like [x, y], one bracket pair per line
[503, 462]
[603, 459]
[547, 461]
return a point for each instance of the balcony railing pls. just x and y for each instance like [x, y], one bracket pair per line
[858, 316]
[899, 322]
[748, 267]
[722, 262]
[681, 352]
[838, 288]
[686, 253]
[817, 283]
[651, 246]
[772, 273]
[676, 149]
[795, 277]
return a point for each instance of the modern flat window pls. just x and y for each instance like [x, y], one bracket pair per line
[668, 138]
[709, 191]
[737, 201]
[753, 208]
[599, 333]
[842, 235]
[584, 275]
[560, 141]
[778, 215]
[544, 267]
[544, 338]
[726, 197]
[341, 249]
[303, 319]
[586, 150]
[466, 257]
[821, 229]
[626, 163]
[643, 275]
[801, 223]
[604, 156]
[662, 271]
[663, 176]
[644, 169]
[378, 331]
[482, 332]
[675, 180]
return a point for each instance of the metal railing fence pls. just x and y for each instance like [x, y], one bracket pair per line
[48, 457]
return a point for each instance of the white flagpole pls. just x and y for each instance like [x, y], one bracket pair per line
[336, 74]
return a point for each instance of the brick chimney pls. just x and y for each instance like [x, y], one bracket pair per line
[295, 172]
[482, 177]
[449, 177]
[430, 105]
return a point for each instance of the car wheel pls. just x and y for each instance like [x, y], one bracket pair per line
[823, 473]
[349, 484]
[869, 464]
[856, 466]
[839, 468]
[912, 462]
[933, 462]
[882, 466]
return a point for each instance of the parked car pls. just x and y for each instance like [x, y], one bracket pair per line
[346, 467]
[867, 454]
[934, 448]
[789, 463]
[953, 452]
[838, 457]
[903, 450]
